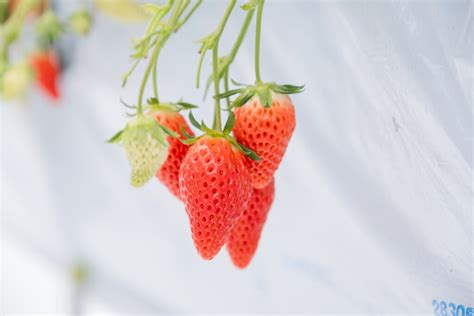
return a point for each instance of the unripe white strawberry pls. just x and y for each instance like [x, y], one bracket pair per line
[15, 80]
[146, 146]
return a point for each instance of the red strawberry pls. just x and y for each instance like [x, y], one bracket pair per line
[243, 238]
[168, 174]
[47, 70]
[267, 131]
[215, 186]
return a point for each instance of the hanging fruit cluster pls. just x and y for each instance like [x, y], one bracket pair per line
[42, 65]
[223, 175]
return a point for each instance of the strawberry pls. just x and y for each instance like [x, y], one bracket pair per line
[266, 130]
[47, 71]
[168, 115]
[215, 187]
[146, 146]
[243, 238]
[15, 80]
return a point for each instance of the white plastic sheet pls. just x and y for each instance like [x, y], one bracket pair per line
[373, 210]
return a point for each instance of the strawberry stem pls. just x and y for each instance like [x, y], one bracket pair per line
[12, 27]
[217, 107]
[186, 18]
[217, 125]
[154, 57]
[155, 85]
[223, 22]
[170, 27]
[226, 86]
[241, 37]
[260, 4]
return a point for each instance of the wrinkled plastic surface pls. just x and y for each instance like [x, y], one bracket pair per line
[373, 207]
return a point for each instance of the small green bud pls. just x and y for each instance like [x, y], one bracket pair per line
[81, 22]
[49, 27]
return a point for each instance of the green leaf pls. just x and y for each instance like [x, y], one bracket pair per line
[126, 104]
[187, 106]
[228, 93]
[157, 132]
[193, 121]
[151, 101]
[287, 89]
[124, 79]
[205, 128]
[169, 132]
[189, 141]
[185, 134]
[235, 83]
[243, 98]
[265, 97]
[229, 125]
[116, 138]
[249, 153]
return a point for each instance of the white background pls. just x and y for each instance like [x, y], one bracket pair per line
[373, 209]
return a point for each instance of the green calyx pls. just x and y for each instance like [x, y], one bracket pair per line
[154, 105]
[225, 133]
[145, 143]
[262, 90]
[48, 27]
[170, 107]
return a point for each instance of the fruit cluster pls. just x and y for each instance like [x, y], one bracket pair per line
[43, 65]
[225, 175]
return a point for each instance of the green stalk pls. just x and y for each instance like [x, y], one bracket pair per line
[154, 57]
[183, 6]
[186, 18]
[257, 40]
[222, 23]
[241, 37]
[226, 86]
[217, 125]
[12, 27]
[155, 85]
[161, 40]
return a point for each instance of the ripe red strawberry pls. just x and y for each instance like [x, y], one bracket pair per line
[215, 186]
[47, 71]
[267, 131]
[243, 238]
[168, 174]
